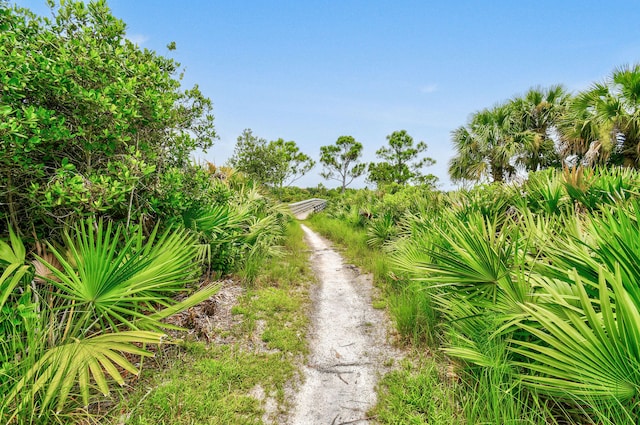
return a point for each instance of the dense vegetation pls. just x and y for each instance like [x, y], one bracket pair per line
[92, 125]
[529, 291]
[107, 225]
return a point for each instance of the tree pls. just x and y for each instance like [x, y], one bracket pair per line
[514, 135]
[341, 160]
[251, 157]
[292, 163]
[535, 117]
[485, 147]
[90, 122]
[469, 164]
[400, 162]
[272, 163]
[603, 123]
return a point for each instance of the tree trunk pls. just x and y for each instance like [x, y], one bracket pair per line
[630, 154]
[497, 174]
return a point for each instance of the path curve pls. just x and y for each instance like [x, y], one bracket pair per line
[347, 343]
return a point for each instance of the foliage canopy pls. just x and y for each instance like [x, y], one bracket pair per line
[341, 160]
[90, 121]
[276, 163]
[400, 162]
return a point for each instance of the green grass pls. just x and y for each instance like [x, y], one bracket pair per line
[354, 242]
[279, 309]
[210, 385]
[415, 394]
[494, 395]
[279, 297]
[196, 383]
[415, 315]
[288, 270]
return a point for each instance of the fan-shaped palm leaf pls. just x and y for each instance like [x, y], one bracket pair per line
[479, 260]
[544, 192]
[381, 230]
[110, 284]
[593, 353]
[61, 367]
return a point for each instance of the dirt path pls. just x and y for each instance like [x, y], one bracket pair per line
[347, 341]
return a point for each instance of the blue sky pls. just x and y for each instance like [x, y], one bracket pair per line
[311, 71]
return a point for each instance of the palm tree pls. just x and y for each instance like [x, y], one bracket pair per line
[468, 164]
[535, 116]
[485, 147]
[625, 86]
[603, 123]
[586, 134]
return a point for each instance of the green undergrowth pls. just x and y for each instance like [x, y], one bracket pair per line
[198, 383]
[416, 394]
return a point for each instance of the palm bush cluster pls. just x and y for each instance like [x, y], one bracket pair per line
[536, 287]
[77, 312]
[74, 316]
[530, 290]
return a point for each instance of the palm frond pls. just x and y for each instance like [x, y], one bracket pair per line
[593, 353]
[118, 284]
[60, 368]
[13, 252]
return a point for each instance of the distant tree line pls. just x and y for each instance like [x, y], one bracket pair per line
[545, 127]
[279, 163]
[549, 127]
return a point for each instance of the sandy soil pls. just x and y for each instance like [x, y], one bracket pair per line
[347, 340]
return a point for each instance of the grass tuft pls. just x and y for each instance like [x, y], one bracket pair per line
[416, 394]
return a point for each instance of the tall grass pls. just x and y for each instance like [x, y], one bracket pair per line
[415, 315]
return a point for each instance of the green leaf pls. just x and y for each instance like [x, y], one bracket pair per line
[116, 284]
[60, 367]
[593, 354]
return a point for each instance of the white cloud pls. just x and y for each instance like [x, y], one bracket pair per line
[429, 88]
[138, 39]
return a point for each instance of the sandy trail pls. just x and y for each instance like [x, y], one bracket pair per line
[347, 342]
